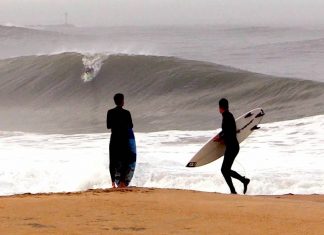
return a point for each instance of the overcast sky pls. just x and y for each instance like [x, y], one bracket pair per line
[161, 12]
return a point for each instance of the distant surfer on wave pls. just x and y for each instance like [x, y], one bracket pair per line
[89, 70]
[228, 137]
[119, 121]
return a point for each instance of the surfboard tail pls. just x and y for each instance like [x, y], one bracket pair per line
[261, 114]
[249, 114]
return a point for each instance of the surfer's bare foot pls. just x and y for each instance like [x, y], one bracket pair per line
[113, 185]
[246, 183]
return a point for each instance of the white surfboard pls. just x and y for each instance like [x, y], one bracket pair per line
[211, 151]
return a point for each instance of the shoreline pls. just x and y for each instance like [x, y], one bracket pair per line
[135, 188]
[160, 211]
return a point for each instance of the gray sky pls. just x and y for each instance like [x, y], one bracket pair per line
[152, 12]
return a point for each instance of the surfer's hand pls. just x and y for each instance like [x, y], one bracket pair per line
[216, 138]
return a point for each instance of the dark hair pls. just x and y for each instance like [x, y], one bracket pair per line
[223, 103]
[119, 98]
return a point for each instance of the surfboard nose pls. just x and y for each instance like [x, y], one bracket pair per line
[191, 164]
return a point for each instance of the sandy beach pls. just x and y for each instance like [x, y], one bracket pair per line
[160, 211]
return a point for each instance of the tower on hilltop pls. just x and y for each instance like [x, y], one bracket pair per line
[66, 18]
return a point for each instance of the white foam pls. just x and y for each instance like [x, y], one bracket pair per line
[93, 62]
[282, 157]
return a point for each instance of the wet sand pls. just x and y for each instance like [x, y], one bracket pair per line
[160, 211]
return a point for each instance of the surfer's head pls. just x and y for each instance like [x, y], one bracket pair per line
[119, 99]
[223, 105]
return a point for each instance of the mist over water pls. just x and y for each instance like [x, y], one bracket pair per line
[166, 12]
[281, 51]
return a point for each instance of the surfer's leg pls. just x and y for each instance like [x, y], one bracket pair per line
[226, 170]
[234, 174]
[112, 165]
[124, 166]
[112, 170]
[237, 176]
[123, 173]
[245, 181]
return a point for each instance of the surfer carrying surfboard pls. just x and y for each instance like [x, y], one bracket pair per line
[228, 137]
[119, 120]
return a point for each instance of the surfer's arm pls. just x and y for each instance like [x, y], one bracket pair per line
[108, 121]
[219, 137]
[130, 120]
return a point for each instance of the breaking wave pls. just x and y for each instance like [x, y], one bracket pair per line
[47, 93]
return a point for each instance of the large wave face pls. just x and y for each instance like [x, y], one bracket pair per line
[47, 93]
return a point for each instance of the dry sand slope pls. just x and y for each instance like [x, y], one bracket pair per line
[160, 211]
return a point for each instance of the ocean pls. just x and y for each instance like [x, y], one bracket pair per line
[52, 117]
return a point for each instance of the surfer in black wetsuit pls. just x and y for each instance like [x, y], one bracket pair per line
[228, 137]
[119, 121]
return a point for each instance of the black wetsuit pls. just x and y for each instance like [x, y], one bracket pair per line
[119, 121]
[228, 135]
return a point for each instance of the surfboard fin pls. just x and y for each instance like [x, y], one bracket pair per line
[255, 128]
[248, 115]
[260, 114]
[191, 164]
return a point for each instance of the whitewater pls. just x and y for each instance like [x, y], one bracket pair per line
[280, 158]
